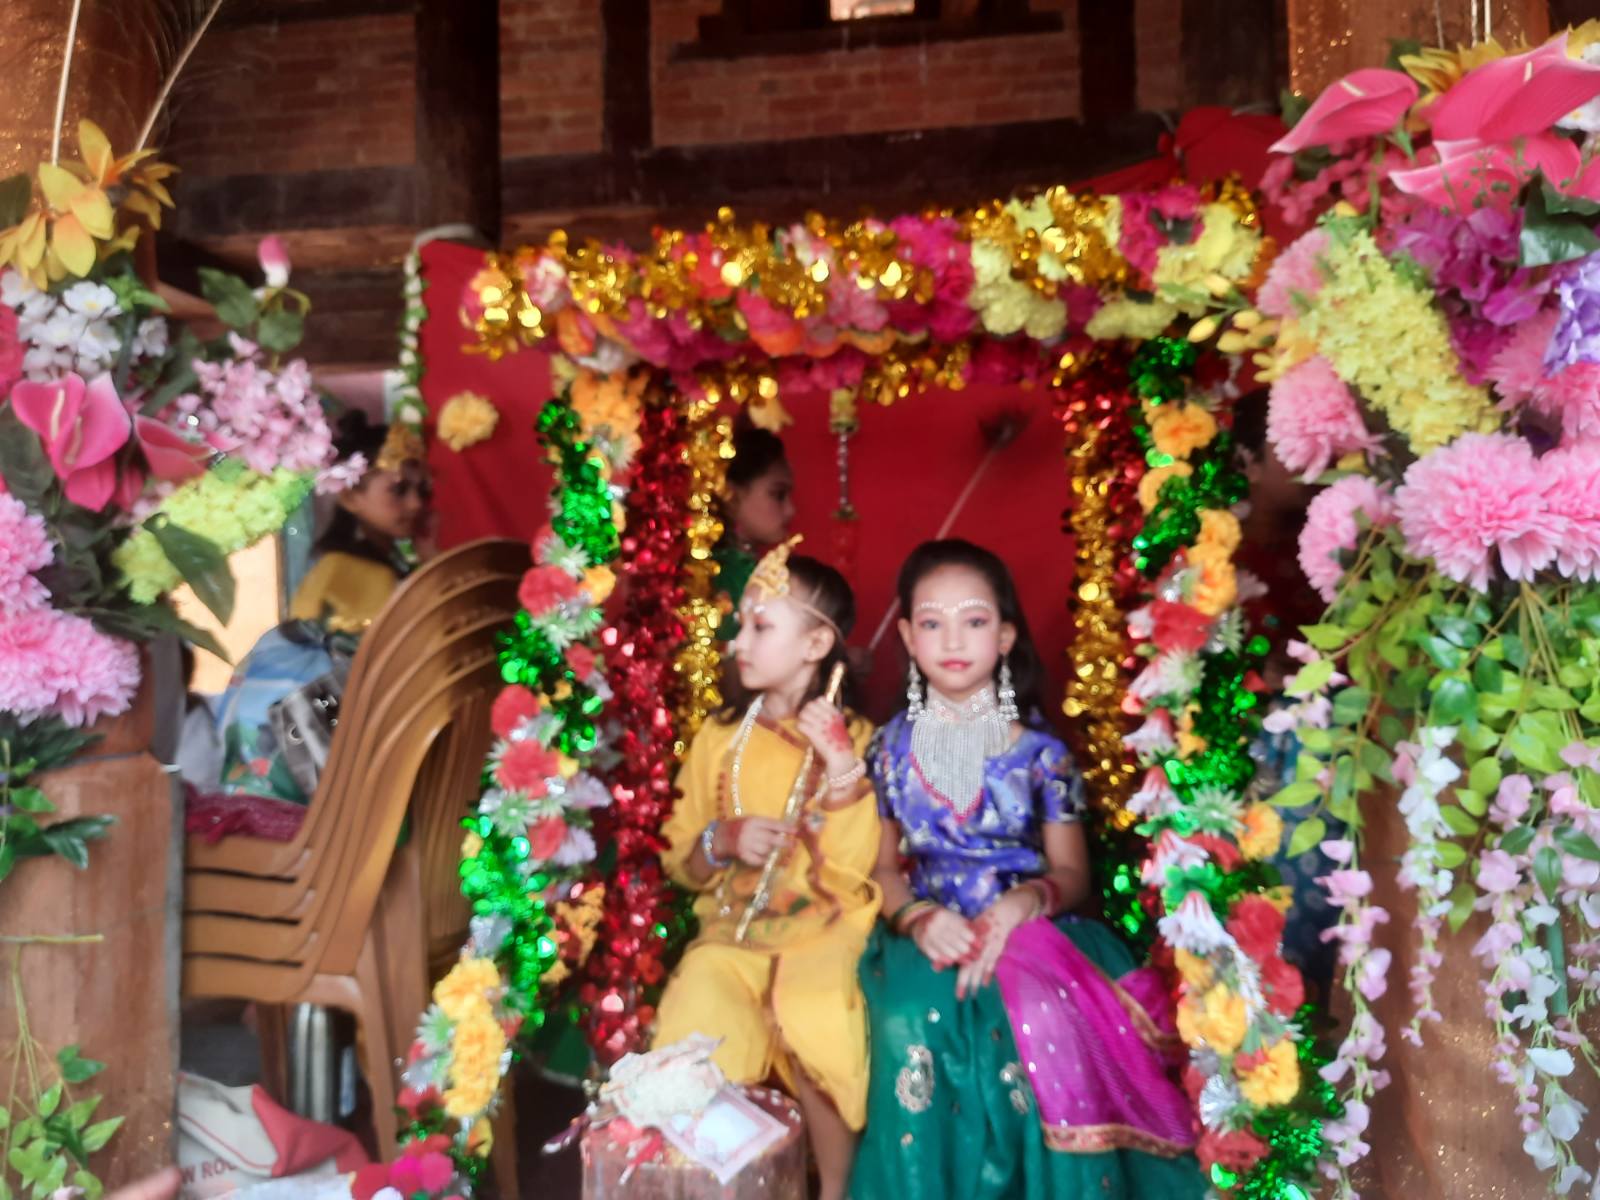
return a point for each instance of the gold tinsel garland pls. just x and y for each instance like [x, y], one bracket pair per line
[699, 662]
[1096, 681]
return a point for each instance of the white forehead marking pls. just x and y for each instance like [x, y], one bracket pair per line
[959, 606]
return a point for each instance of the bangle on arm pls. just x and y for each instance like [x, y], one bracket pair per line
[909, 915]
[1049, 896]
[854, 775]
[708, 841]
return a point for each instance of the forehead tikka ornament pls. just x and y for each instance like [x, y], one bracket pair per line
[956, 609]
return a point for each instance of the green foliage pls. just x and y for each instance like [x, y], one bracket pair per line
[26, 748]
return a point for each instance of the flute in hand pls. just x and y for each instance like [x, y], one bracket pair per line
[791, 811]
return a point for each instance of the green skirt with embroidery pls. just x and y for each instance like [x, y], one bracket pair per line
[950, 1113]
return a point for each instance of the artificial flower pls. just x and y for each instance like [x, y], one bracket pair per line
[55, 663]
[1332, 528]
[580, 660]
[527, 767]
[545, 588]
[467, 419]
[1178, 626]
[1219, 528]
[1576, 335]
[1285, 989]
[1217, 586]
[1517, 96]
[1275, 1079]
[1257, 925]
[1294, 277]
[82, 426]
[1193, 926]
[1262, 832]
[1135, 320]
[468, 984]
[1360, 105]
[1154, 479]
[1572, 494]
[545, 838]
[599, 582]
[1313, 419]
[514, 705]
[1180, 429]
[1218, 1019]
[476, 1050]
[1567, 392]
[273, 256]
[271, 419]
[24, 548]
[1235, 1150]
[1195, 971]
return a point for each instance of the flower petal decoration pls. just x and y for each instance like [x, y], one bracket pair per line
[167, 453]
[1518, 96]
[82, 427]
[1473, 168]
[1361, 104]
[274, 259]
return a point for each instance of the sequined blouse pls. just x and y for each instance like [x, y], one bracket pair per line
[966, 863]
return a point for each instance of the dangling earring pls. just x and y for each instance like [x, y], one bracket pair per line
[1008, 693]
[913, 694]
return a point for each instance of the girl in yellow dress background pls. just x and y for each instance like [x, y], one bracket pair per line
[784, 999]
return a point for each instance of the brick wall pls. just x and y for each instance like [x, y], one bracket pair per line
[984, 81]
[1160, 29]
[550, 77]
[300, 96]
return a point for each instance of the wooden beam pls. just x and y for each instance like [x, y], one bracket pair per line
[627, 118]
[458, 114]
[246, 13]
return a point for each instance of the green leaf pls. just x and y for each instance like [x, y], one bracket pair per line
[1460, 823]
[201, 563]
[1375, 760]
[1516, 651]
[1454, 701]
[1318, 741]
[280, 331]
[1485, 776]
[78, 1115]
[231, 296]
[1325, 637]
[1461, 901]
[1576, 843]
[23, 463]
[1391, 730]
[1311, 677]
[5, 1118]
[1550, 236]
[1350, 705]
[1458, 631]
[1306, 835]
[75, 1068]
[8, 859]
[1547, 870]
[1307, 767]
[1517, 839]
[1557, 699]
[1474, 802]
[50, 1101]
[1478, 737]
[1487, 675]
[93, 1189]
[1296, 794]
[145, 622]
[16, 193]
[1446, 655]
[1535, 741]
[31, 799]
[1451, 855]
[96, 1136]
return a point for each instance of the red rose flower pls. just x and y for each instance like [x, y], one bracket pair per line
[1286, 991]
[581, 659]
[513, 706]
[545, 587]
[545, 838]
[1238, 1150]
[417, 1101]
[527, 766]
[1176, 626]
[1257, 925]
[1223, 852]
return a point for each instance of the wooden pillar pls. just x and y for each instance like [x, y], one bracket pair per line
[1330, 38]
[458, 114]
[1229, 53]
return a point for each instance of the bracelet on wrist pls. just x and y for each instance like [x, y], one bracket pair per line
[847, 778]
[912, 915]
[708, 844]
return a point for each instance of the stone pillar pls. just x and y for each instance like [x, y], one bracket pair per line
[117, 999]
[1329, 38]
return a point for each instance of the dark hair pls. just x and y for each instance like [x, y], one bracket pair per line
[356, 434]
[824, 589]
[755, 452]
[1027, 671]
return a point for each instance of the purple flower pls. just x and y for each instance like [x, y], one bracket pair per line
[1497, 872]
[1577, 335]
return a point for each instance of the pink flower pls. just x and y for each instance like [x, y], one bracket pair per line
[1294, 272]
[1471, 172]
[82, 426]
[1372, 976]
[1497, 871]
[1363, 103]
[1482, 493]
[24, 548]
[1516, 96]
[11, 348]
[1570, 395]
[1331, 528]
[52, 662]
[1511, 800]
[274, 259]
[1345, 886]
[1312, 419]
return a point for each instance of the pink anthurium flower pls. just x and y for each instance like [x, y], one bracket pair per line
[1363, 103]
[82, 426]
[167, 453]
[1472, 168]
[274, 259]
[1521, 95]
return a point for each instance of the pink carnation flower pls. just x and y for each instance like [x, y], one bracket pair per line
[1331, 528]
[1572, 490]
[1293, 271]
[53, 662]
[1312, 419]
[1571, 395]
[1482, 493]
[24, 549]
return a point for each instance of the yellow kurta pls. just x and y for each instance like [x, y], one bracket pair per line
[786, 998]
[344, 591]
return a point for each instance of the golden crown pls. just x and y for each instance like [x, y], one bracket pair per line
[771, 576]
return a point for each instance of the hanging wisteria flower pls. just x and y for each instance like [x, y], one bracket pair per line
[1576, 337]
[1332, 528]
[1481, 495]
[1312, 419]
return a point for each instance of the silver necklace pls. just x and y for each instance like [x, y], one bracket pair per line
[951, 742]
[740, 741]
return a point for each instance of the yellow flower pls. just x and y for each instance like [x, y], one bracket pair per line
[1181, 429]
[1150, 485]
[1224, 247]
[480, 1141]
[1218, 1019]
[1139, 320]
[466, 987]
[1190, 744]
[567, 767]
[1196, 971]
[467, 419]
[1274, 1081]
[470, 845]
[1220, 528]
[1440, 70]
[599, 582]
[1262, 832]
[475, 1051]
[1217, 586]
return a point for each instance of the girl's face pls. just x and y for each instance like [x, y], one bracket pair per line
[391, 505]
[779, 644]
[955, 634]
[762, 509]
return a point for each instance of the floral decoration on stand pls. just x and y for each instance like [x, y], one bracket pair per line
[1432, 365]
[466, 419]
[409, 409]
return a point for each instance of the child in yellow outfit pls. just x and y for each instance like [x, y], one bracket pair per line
[786, 997]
